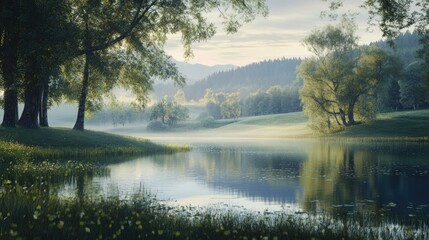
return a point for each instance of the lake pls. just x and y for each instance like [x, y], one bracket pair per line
[280, 175]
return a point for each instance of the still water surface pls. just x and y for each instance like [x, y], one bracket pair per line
[299, 176]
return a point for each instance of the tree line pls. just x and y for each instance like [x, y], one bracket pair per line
[247, 79]
[277, 99]
[80, 50]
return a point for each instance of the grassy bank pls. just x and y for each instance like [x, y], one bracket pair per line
[49, 143]
[406, 125]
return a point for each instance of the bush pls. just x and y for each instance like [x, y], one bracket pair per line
[208, 122]
[156, 126]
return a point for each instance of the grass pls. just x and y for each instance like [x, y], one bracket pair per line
[57, 143]
[28, 214]
[62, 137]
[396, 125]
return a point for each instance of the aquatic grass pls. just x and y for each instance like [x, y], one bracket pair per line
[27, 214]
[50, 172]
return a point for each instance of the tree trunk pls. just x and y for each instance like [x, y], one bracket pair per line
[43, 111]
[80, 121]
[32, 95]
[343, 117]
[9, 68]
[329, 122]
[10, 108]
[351, 115]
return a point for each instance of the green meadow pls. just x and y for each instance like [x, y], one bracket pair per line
[394, 126]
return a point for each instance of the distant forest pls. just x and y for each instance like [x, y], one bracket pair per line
[405, 47]
[245, 80]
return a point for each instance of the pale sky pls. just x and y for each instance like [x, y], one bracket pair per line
[279, 35]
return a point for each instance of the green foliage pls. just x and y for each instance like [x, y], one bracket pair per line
[276, 99]
[208, 122]
[180, 97]
[222, 105]
[214, 110]
[340, 82]
[247, 79]
[413, 91]
[169, 112]
[231, 108]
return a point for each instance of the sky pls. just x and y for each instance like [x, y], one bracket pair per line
[276, 36]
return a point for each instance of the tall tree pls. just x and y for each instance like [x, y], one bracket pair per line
[394, 16]
[340, 82]
[9, 30]
[44, 43]
[412, 91]
[141, 23]
[326, 75]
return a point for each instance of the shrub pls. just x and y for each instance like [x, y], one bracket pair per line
[208, 122]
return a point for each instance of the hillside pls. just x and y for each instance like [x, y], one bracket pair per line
[247, 79]
[192, 74]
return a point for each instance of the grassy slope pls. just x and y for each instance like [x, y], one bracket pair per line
[395, 124]
[290, 125]
[62, 137]
[411, 124]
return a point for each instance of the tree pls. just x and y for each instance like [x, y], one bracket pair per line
[37, 39]
[169, 112]
[142, 24]
[180, 97]
[394, 95]
[394, 16]
[9, 28]
[231, 108]
[340, 81]
[412, 91]
[214, 110]
[326, 75]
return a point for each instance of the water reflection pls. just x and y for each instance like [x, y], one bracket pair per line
[380, 178]
[315, 176]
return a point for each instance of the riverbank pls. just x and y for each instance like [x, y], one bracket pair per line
[46, 143]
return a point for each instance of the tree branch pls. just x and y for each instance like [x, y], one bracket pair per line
[136, 20]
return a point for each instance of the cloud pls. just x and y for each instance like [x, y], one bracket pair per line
[278, 35]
